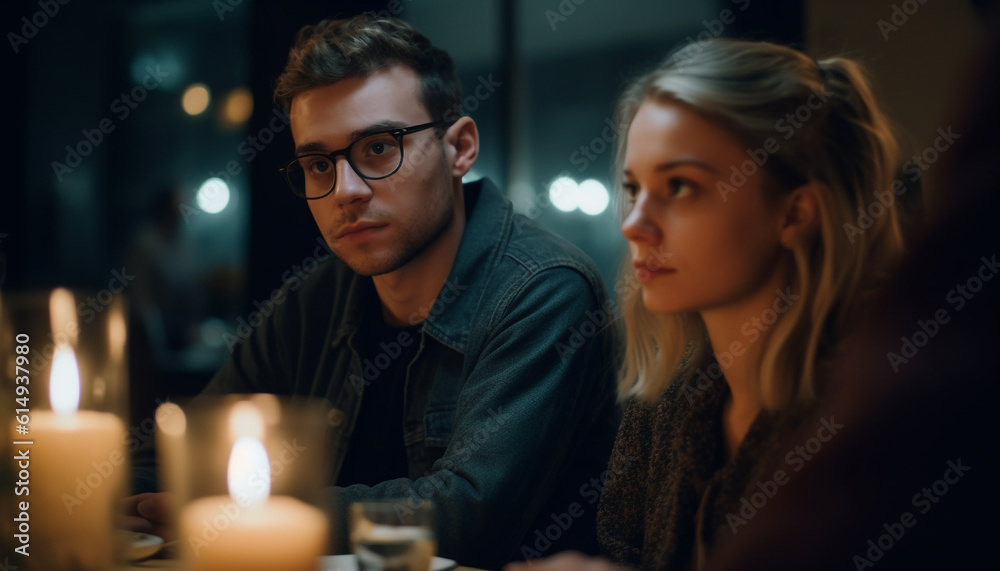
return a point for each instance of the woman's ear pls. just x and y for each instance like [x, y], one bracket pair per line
[461, 146]
[800, 217]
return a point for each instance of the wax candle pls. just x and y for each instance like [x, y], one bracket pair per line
[77, 470]
[250, 530]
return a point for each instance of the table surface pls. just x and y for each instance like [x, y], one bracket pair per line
[176, 564]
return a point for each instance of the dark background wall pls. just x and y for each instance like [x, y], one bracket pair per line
[559, 63]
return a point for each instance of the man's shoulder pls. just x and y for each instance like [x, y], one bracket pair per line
[537, 249]
[524, 252]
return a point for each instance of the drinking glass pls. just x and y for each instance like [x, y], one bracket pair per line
[393, 535]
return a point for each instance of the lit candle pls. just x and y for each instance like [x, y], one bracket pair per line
[78, 468]
[248, 529]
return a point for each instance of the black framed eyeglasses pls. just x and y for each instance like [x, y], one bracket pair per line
[373, 157]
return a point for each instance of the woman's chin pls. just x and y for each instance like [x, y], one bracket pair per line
[662, 303]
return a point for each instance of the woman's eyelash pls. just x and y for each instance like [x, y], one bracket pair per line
[675, 184]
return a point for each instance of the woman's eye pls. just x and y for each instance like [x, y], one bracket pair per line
[630, 190]
[679, 187]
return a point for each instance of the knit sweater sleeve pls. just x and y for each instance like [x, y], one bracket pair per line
[621, 513]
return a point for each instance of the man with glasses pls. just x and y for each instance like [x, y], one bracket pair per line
[468, 354]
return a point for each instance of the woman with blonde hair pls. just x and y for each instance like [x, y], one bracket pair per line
[759, 204]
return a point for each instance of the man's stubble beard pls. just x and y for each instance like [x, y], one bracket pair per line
[411, 244]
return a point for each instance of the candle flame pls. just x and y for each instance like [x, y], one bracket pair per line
[64, 381]
[245, 420]
[171, 420]
[116, 332]
[249, 474]
[62, 314]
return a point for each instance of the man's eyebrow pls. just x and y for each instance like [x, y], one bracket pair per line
[679, 163]
[310, 148]
[386, 125]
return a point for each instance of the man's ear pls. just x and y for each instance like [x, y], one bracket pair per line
[800, 217]
[461, 146]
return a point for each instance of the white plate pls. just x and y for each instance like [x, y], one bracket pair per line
[140, 545]
[350, 563]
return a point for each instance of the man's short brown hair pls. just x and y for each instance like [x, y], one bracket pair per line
[333, 50]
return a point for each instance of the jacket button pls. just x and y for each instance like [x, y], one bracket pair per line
[335, 417]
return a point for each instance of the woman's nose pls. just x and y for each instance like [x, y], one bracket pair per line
[638, 226]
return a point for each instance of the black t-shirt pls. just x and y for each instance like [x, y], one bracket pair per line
[376, 451]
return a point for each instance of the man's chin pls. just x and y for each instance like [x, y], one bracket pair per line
[370, 265]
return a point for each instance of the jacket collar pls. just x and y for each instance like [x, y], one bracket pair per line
[488, 218]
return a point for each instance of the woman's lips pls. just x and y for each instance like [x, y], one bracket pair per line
[645, 272]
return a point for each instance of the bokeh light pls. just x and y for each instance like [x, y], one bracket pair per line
[564, 194]
[195, 99]
[212, 195]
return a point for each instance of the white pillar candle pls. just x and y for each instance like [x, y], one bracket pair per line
[218, 534]
[249, 530]
[77, 470]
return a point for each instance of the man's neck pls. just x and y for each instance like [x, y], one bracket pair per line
[408, 293]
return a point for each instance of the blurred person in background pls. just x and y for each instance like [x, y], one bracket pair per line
[910, 481]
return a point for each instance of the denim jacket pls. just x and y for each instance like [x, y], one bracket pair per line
[509, 411]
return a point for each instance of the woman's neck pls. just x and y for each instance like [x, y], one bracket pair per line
[736, 331]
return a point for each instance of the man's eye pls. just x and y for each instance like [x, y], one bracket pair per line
[318, 165]
[380, 146]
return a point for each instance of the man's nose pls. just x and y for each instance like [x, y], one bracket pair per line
[349, 187]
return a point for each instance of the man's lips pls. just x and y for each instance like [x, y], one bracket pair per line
[358, 227]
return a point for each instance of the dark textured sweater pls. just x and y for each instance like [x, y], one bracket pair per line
[676, 497]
